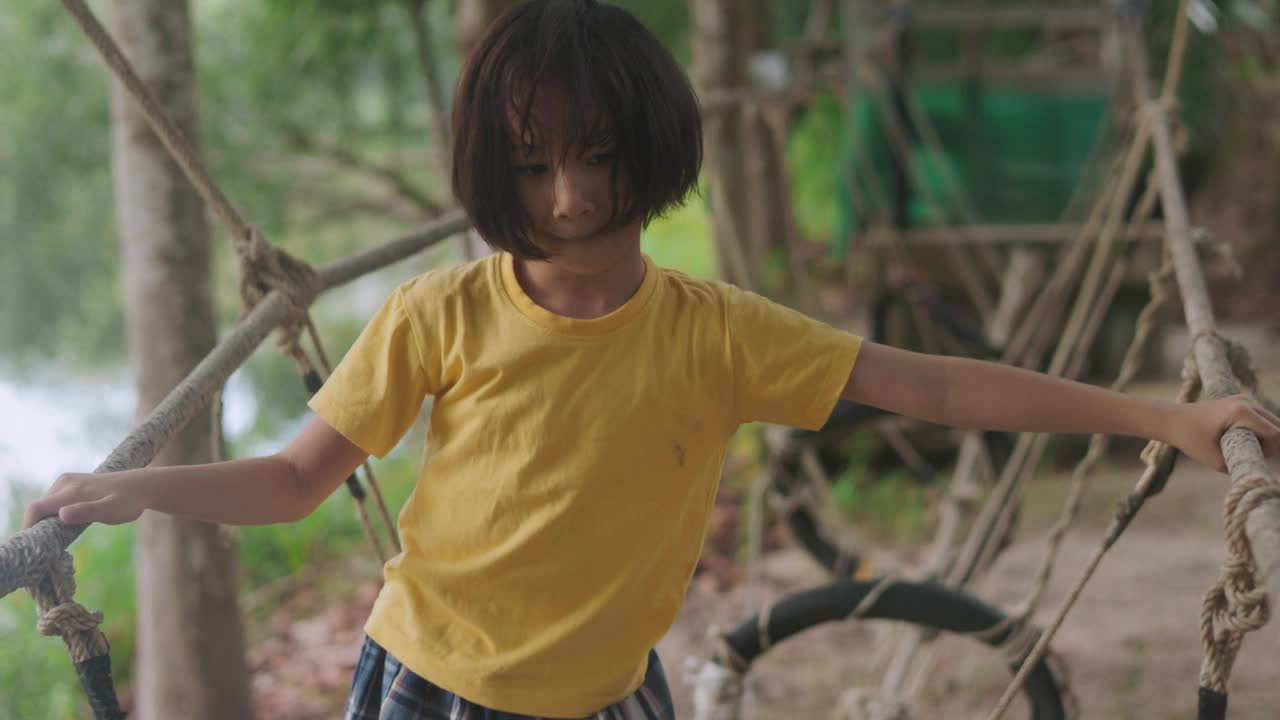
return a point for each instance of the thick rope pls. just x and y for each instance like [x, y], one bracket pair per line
[35, 558]
[59, 615]
[276, 288]
[1219, 367]
[27, 556]
[1234, 605]
[179, 147]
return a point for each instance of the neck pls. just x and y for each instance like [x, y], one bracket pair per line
[570, 287]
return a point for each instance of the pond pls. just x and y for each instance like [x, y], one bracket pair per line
[57, 423]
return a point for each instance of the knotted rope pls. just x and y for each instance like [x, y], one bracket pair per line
[1234, 605]
[265, 267]
[25, 559]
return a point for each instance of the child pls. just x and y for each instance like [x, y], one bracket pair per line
[583, 397]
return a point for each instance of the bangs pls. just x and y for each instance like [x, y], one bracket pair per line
[543, 109]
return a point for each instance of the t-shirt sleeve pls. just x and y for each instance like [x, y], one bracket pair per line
[376, 392]
[788, 368]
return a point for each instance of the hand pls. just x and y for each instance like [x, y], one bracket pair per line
[1198, 428]
[79, 498]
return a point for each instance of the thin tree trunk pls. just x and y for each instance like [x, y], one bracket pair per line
[717, 65]
[191, 654]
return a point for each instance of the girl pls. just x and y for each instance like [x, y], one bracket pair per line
[583, 397]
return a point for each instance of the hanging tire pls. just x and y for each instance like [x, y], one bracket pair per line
[923, 604]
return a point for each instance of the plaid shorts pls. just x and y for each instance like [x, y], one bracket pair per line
[384, 689]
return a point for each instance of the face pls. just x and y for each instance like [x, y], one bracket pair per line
[565, 190]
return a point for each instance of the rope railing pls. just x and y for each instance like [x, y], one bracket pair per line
[28, 555]
[36, 558]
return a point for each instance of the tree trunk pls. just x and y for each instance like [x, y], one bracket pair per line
[191, 654]
[718, 66]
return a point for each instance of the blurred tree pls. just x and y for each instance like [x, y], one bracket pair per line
[54, 193]
[190, 639]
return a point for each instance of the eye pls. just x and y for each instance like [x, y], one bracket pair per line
[601, 157]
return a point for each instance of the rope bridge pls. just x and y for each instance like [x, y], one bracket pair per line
[277, 291]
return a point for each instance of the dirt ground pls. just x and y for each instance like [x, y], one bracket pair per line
[1131, 645]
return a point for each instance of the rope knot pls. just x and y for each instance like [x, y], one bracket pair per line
[67, 618]
[1234, 605]
[265, 267]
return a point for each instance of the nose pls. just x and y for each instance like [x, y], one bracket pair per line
[572, 192]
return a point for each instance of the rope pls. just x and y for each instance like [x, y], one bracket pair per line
[995, 519]
[1234, 604]
[59, 615]
[1160, 297]
[276, 290]
[179, 147]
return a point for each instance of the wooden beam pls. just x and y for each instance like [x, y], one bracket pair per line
[1073, 79]
[1045, 234]
[969, 17]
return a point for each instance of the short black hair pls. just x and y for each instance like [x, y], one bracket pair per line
[603, 57]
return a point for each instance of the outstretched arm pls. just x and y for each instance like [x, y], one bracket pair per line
[974, 394]
[256, 491]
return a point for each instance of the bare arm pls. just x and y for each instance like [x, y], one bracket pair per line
[974, 394]
[283, 487]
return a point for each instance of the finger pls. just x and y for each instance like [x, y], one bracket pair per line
[88, 512]
[38, 510]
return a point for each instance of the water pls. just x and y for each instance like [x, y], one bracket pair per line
[55, 424]
[61, 421]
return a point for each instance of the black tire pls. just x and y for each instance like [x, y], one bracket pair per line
[927, 605]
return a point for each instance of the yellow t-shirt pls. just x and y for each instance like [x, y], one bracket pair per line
[570, 467]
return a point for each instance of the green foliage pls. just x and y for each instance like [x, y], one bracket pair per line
[682, 240]
[342, 75]
[816, 188]
[58, 283]
[889, 504]
[668, 20]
